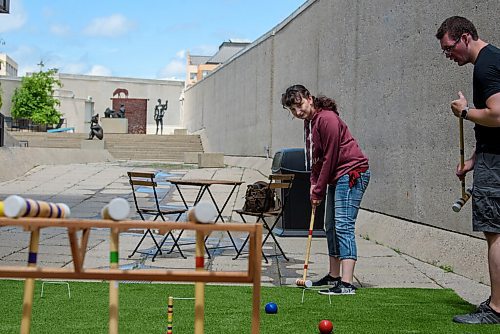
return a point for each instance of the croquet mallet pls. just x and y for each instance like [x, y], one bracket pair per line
[304, 281]
[466, 193]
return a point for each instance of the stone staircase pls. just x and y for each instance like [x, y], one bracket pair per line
[168, 148]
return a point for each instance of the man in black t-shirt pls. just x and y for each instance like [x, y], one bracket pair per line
[460, 42]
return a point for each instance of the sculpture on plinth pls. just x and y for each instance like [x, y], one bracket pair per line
[110, 113]
[159, 113]
[95, 128]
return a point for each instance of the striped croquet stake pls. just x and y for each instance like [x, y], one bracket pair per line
[304, 281]
[1, 209]
[170, 315]
[16, 206]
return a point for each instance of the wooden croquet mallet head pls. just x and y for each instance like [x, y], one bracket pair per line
[459, 203]
[17, 206]
[303, 282]
[117, 209]
[203, 212]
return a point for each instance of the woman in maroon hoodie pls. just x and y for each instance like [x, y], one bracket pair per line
[339, 173]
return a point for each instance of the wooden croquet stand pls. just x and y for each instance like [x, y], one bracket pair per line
[78, 247]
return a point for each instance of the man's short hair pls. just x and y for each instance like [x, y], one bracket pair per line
[456, 26]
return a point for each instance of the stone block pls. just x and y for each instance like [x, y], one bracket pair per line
[211, 160]
[180, 131]
[114, 125]
[94, 144]
[191, 157]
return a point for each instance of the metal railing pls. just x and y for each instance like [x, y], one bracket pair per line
[24, 124]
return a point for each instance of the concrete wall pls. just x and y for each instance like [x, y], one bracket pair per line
[18, 160]
[383, 65]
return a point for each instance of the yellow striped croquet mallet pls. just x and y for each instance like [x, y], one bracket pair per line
[466, 193]
[203, 212]
[116, 209]
[16, 207]
[304, 281]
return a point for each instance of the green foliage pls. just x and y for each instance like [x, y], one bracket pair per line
[447, 268]
[34, 99]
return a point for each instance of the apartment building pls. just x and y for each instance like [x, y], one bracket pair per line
[198, 67]
[8, 67]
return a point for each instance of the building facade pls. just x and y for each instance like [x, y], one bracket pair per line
[198, 67]
[8, 67]
[82, 96]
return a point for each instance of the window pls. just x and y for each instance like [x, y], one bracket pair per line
[192, 75]
[4, 6]
[204, 73]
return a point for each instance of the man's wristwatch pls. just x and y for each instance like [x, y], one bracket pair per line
[464, 113]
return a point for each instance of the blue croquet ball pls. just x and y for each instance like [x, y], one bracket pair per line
[271, 308]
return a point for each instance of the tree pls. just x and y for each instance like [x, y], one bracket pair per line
[35, 100]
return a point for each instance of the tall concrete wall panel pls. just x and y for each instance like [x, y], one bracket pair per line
[383, 65]
[233, 106]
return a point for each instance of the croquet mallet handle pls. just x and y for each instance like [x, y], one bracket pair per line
[309, 239]
[462, 153]
[466, 193]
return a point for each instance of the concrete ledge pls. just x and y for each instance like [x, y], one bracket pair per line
[114, 125]
[92, 144]
[191, 157]
[18, 160]
[262, 165]
[180, 131]
[465, 255]
[210, 160]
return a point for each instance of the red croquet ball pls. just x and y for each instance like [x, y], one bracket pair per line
[325, 327]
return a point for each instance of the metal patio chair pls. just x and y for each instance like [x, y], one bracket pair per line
[145, 182]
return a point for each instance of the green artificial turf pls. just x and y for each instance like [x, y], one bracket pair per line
[143, 309]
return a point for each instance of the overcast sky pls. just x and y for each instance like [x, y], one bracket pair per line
[142, 39]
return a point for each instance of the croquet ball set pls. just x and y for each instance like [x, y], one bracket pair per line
[325, 327]
[271, 308]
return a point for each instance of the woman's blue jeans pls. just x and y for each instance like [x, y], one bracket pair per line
[341, 211]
